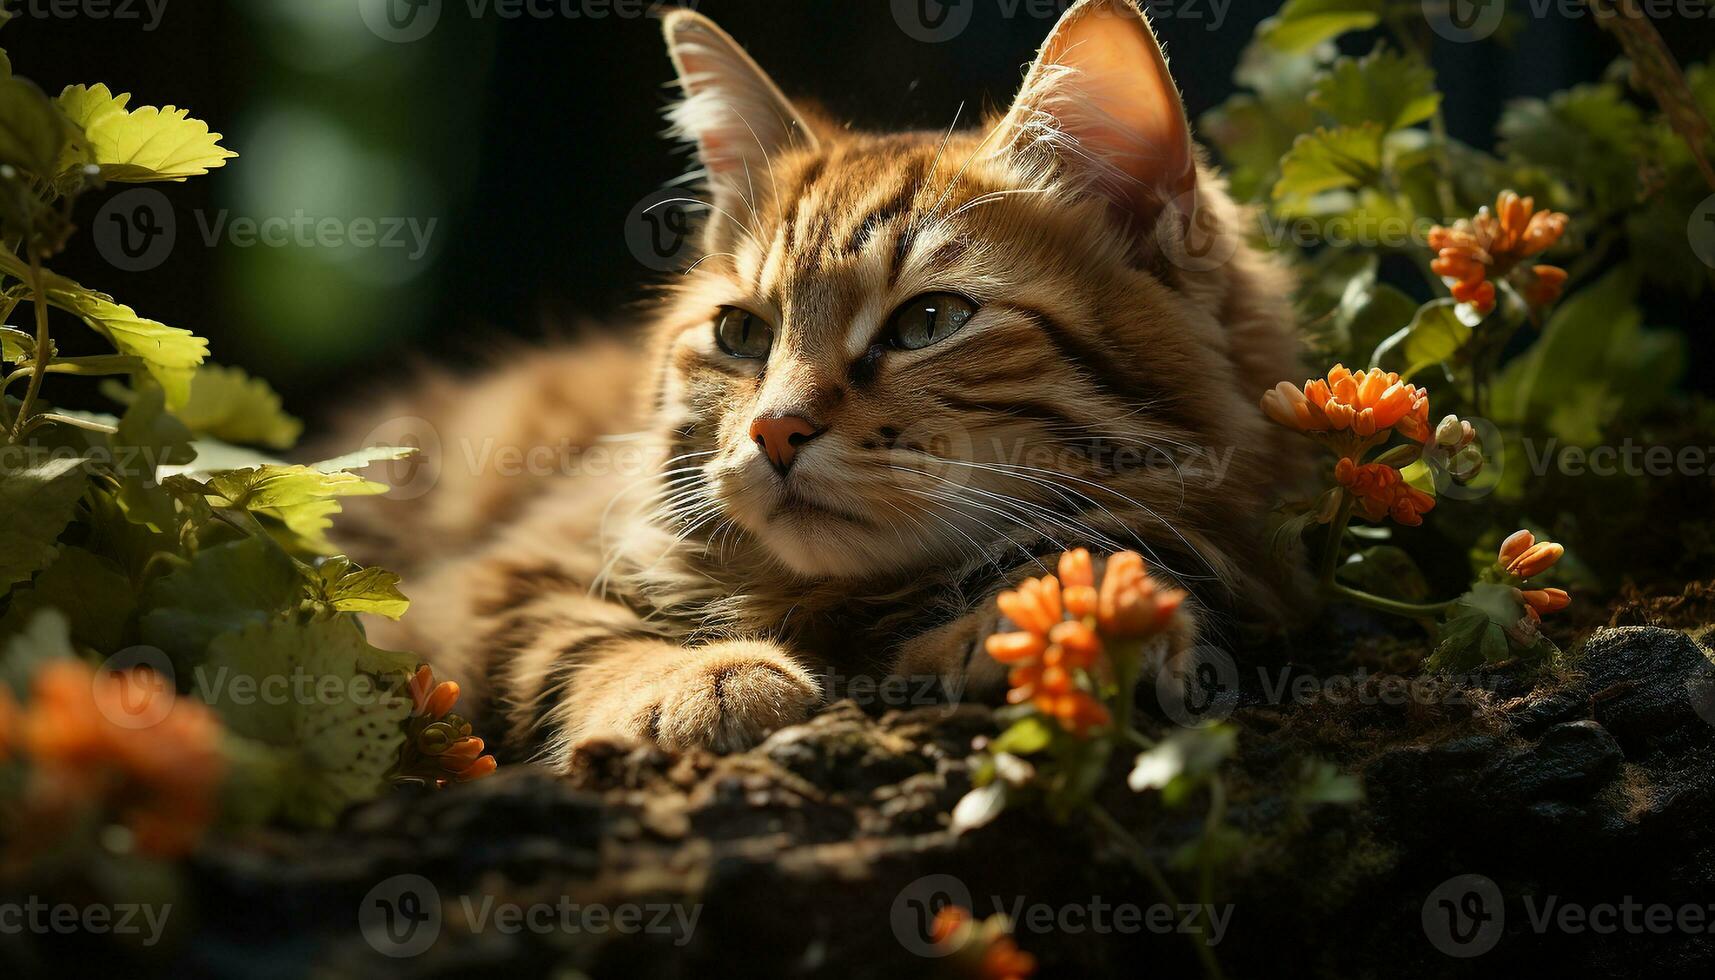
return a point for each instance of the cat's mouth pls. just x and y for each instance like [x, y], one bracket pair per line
[793, 504]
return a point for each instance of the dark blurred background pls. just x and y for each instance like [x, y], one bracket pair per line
[527, 141]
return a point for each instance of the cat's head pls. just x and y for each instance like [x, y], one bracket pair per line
[899, 349]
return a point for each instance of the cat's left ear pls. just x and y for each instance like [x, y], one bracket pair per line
[1100, 107]
[734, 113]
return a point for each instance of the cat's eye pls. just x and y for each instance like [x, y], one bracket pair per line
[742, 333]
[929, 319]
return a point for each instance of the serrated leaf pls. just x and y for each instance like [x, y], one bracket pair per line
[170, 354]
[36, 504]
[363, 458]
[227, 404]
[1328, 160]
[342, 729]
[1590, 134]
[302, 499]
[33, 132]
[369, 590]
[1383, 88]
[223, 589]
[142, 144]
[1302, 24]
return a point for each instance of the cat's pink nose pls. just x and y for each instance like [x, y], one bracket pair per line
[779, 439]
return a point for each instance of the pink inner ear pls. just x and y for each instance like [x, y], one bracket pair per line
[1139, 126]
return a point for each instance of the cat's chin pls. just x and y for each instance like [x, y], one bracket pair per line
[826, 547]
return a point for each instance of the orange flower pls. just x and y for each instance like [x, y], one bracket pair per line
[1051, 656]
[1474, 252]
[1540, 602]
[439, 747]
[1380, 492]
[160, 778]
[982, 951]
[1366, 405]
[1522, 557]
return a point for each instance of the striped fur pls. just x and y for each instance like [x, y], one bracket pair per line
[1104, 395]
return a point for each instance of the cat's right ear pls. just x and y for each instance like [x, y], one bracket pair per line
[734, 113]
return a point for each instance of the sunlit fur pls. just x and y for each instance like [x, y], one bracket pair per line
[1104, 395]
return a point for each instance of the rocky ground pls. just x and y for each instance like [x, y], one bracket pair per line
[1513, 821]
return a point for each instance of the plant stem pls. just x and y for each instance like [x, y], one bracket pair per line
[1410, 610]
[1140, 860]
[43, 418]
[44, 348]
[1336, 533]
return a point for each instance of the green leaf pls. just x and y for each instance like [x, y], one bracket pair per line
[36, 504]
[1435, 335]
[47, 637]
[224, 588]
[1320, 781]
[93, 592]
[171, 354]
[363, 458]
[1593, 366]
[1384, 88]
[16, 346]
[1386, 571]
[229, 405]
[303, 500]
[142, 144]
[1590, 135]
[33, 132]
[1178, 763]
[1303, 24]
[341, 728]
[1327, 160]
[1253, 131]
[1029, 734]
[149, 438]
[363, 590]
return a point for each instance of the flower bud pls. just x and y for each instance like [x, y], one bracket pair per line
[1515, 545]
[1450, 432]
[1540, 558]
[1466, 464]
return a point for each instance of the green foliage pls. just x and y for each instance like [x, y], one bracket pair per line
[155, 527]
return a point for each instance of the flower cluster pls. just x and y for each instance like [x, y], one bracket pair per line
[1356, 410]
[439, 747]
[120, 744]
[1053, 657]
[1475, 252]
[980, 950]
[1379, 491]
[1522, 557]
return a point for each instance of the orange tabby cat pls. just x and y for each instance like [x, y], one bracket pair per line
[909, 370]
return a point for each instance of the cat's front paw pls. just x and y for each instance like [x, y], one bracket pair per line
[725, 696]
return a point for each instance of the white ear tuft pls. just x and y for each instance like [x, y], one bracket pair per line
[732, 110]
[1099, 106]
